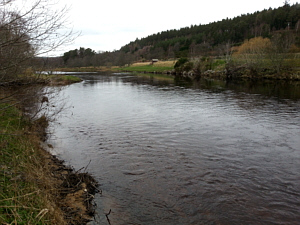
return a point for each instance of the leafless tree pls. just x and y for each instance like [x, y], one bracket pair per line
[29, 29]
[279, 51]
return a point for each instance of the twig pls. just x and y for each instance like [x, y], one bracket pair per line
[22, 196]
[8, 106]
[42, 213]
[1, 99]
[79, 170]
[99, 190]
[11, 134]
[87, 166]
[18, 206]
[107, 214]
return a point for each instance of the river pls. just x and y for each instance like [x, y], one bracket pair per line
[172, 152]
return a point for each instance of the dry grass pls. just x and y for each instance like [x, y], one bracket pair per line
[157, 64]
[140, 64]
[166, 63]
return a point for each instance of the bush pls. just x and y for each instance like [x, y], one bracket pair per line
[183, 65]
[180, 62]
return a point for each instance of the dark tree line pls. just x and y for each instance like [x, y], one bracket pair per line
[89, 58]
[202, 40]
[80, 54]
[207, 38]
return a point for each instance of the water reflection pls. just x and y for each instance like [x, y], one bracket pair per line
[176, 152]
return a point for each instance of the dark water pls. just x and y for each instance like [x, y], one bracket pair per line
[185, 153]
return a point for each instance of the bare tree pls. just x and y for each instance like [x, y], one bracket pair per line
[226, 51]
[279, 51]
[29, 29]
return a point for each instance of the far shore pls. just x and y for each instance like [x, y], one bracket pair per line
[167, 68]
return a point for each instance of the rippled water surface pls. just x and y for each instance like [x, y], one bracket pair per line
[167, 153]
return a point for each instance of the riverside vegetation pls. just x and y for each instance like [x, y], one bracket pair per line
[256, 58]
[36, 187]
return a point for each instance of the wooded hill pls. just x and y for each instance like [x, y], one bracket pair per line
[204, 40]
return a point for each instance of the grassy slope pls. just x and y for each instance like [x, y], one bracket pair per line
[25, 196]
[35, 187]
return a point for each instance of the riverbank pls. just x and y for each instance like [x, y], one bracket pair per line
[216, 69]
[35, 186]
[219, 71]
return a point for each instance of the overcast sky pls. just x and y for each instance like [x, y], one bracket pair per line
[109, 25]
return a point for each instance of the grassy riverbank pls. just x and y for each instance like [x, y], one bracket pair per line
[219, 69]
[86, 69]
[210, 67]
[159, 67]
[36, 187]
[60, 79]
[25, 195]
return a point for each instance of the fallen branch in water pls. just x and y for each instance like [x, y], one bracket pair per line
[106, 215]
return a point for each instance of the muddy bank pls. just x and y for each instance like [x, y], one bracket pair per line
[74, 190]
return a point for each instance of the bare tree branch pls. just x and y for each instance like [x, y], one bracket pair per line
[33, 29]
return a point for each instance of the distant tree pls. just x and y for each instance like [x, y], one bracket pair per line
[253, 52]
[79, 57]
[286, 3]
[280, 49]
[226, 50]
[258, 45]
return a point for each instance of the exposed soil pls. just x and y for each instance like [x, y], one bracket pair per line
[75, 191]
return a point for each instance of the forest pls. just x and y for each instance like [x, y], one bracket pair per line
[217, 39]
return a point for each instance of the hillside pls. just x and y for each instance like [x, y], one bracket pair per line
[212, 39]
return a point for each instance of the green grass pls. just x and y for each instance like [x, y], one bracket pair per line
[22, 200]
[15, 206]
[84, 69]
[68, 78]
[218, 64]
[78, 69]
[59, 79]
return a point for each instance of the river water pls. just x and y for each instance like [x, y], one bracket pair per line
[172, 152]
